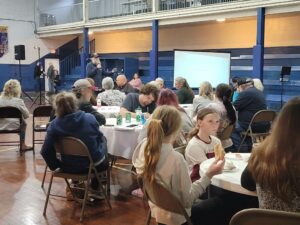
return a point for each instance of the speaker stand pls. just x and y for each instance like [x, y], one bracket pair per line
[20, 77]
[40, 96]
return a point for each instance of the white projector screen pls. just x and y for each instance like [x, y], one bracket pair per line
[197, 67]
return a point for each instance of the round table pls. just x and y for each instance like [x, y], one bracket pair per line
[121, 140]
[230, 181]
[108, 111]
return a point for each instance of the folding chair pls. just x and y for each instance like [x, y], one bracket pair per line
[262, 116]
[227, 132]
[44, 112]
[181, 150]
[157, 193]
[75, 147]
[265, 217]
[12, 113]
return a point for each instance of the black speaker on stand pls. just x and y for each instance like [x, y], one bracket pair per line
[20, 55]
[285, 72]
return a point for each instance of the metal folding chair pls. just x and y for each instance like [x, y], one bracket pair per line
[265, 217]
[262, 116]
[12, 113]
[75, 147]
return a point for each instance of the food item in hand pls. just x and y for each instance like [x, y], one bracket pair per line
[219, 152]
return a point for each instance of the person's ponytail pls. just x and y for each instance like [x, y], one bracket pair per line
[155, 135]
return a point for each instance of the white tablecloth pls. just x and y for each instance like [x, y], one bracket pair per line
[121, 140]
[108, 111]
[230, 180]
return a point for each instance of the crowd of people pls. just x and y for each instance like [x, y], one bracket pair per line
[273, 166]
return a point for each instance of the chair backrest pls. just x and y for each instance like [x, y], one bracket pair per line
[42, 111]
[72, 146]
[227, 132]
[10, 112]
[181, 150]
[265, 217]
[161, 196]
[263, 116]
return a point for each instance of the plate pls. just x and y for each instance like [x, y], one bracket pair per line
[234, 156]
[230, 170]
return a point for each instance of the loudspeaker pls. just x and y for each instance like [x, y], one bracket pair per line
[20, 52]
[285, 70]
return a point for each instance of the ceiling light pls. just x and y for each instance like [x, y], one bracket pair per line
[221, 19]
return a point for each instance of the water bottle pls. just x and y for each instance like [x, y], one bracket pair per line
[138, 113]
[98, 102]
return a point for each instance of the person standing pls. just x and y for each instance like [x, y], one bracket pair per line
[95, 70]
[38, 71]
[51, 73]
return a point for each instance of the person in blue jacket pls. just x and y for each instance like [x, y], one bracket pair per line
[75, 123]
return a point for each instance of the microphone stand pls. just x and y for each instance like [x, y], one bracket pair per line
[40, 96]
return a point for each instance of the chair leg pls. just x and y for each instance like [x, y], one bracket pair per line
[85, 198]
[148, 217]
[48, 194]
[20, 148]
[45, 173]
[108, 182]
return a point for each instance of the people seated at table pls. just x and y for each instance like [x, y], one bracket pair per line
[273, 168]
[184, 92]
[136, 81]
[222, 104]
[93, 100]
[145, 100]
[155, 159]
[202, 142]
[82, 89]
[72, 122]
[249, 102]
[205, 97]
[124, 86]
[168, 97]
[11, 97]
[258, 84]
[110, 96]
[160, 83]
[234, 83]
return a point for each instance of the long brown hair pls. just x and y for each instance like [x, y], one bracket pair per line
[200, 116]
[274, 164]
[166, 121]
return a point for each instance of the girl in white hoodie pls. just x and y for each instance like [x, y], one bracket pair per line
[155, 159]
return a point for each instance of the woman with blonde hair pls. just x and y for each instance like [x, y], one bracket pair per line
[205, 97]
[11, 97]
[273, 168]
[155, 159]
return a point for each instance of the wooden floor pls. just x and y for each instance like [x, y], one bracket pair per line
[22, 198]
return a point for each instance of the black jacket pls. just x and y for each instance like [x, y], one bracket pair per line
[88, 108]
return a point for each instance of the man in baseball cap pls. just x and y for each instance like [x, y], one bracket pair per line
[83, 90]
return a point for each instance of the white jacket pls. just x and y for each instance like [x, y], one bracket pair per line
[173, 170]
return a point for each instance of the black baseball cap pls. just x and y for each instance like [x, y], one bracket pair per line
[244, 80]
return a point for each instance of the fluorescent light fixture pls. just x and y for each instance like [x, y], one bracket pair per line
[221, 19]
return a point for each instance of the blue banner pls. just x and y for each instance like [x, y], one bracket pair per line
[3, 40]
